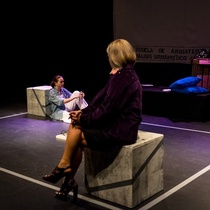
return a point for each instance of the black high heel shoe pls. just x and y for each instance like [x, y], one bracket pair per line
[66, 187]
[56, 174]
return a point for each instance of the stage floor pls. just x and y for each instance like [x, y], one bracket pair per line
[29, 149]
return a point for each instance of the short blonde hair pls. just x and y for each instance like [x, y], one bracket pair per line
[120, 53]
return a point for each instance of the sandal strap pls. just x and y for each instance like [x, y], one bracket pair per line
[60, 169]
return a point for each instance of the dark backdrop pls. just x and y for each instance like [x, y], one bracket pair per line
[42, 40]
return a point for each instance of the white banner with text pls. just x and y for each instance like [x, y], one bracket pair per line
[166, 54]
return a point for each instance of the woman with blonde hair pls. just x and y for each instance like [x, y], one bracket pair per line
[111, 119]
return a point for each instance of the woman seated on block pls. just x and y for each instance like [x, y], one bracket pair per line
[111, 119]
[63, 101]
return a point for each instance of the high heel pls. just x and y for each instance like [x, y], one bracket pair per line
[66, 187]
[56, 174]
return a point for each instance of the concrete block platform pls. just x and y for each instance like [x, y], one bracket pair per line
[126, 176]
[37, 100]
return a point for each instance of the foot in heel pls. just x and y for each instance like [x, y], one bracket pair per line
[56, 174]
[75, 193]
[66, 188]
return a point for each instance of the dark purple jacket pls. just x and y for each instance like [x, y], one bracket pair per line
[117, 108]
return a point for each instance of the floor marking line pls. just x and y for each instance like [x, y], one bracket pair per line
[13, 115]
[90, 200]
[176, 188]
[178, 128]
[146, 207]
[143, 123]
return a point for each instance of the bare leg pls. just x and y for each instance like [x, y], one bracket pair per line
[72, 153]
[76, 163]
[73, 156]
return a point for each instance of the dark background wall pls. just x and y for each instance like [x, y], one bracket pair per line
[42, 40]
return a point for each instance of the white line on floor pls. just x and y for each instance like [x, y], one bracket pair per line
[157, 125]
[90, 200]
[143, 123]
[173, 190]
[13, 115]
[178, 128]
[146, 207]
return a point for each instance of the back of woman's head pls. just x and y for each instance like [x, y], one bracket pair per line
[54, 80]
[120, 53]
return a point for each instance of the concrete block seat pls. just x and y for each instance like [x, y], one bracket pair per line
[127, 176]
[37, 100]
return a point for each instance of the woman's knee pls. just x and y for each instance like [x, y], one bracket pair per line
[76, 93]
[83, 140]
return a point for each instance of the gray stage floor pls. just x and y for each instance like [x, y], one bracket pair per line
[30, 150]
